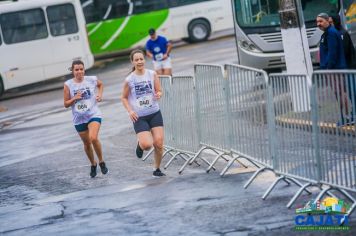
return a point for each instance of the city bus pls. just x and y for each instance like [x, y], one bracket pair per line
[258, 32]
[120, 25]
[39, 39]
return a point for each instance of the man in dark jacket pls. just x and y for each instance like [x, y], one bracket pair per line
[331, 47]
[349, 49]
[332, 57]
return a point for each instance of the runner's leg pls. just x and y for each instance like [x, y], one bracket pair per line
[94, 128]
[157, 133]
[145, 140]
[87, 146]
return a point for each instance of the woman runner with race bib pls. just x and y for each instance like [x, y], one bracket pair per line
[140, 96]
[82, 93]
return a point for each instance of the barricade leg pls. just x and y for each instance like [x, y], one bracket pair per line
[170, 161]
[269, 190]
[181, 154]
[261, 169]
[297, 194]
[242, 164]
[321, 194]
[148, 154]
[192, 159]
[221, 155]
[299, 184]
[229, 164]
[167, 150]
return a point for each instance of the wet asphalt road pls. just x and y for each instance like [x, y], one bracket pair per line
[45, 187]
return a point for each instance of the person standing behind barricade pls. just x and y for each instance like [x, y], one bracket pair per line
[350, 56]
[158, 48]
[140, 95]
[331, 47]
[82, 93]
[332, 57]
[349, 49]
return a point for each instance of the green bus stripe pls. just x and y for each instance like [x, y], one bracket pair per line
[135, 30]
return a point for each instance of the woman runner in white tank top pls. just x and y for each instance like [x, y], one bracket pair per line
[82, 93]
[140, 95]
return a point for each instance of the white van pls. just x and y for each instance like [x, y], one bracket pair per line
[39, 39]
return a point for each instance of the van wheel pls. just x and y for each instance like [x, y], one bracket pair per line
[199, 30]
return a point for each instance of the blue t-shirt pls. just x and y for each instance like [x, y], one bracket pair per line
[331, 50]
[157, 47]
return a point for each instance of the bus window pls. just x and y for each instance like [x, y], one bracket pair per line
[90, 11]
[23, 26]
[262, 13]
[62, 19]
[0, 40]
[142, 6]
[109, 9]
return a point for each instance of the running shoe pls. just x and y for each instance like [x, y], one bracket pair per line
[103, 168]
[158, 173]
[139, 151]
[93, 171]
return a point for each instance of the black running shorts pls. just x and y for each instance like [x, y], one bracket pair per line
[146, 123]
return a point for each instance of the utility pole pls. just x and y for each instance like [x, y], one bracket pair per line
[296, 51]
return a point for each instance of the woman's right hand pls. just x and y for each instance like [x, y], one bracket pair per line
[133, 116]
[77, 96]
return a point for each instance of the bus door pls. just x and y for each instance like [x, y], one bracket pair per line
[66, 41]
[24, 50]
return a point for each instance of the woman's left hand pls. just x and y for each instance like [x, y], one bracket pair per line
[158, 95]
[99, 98]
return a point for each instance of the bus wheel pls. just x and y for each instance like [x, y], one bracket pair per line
[199, 30]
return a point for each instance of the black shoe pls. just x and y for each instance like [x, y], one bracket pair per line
[158, 173]
[139, 151]
[103, 168]
[93, 171]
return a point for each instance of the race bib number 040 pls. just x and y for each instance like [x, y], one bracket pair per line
[144, 102]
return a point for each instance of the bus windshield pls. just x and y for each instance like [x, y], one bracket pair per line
[264, 13]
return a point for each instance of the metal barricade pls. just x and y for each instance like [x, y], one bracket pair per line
[166, 103]
[334, 95]
[292, 137]
[183, 107]
[248, 116]
[212, 119]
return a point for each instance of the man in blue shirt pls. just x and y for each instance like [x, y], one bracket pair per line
[158, 48]
[331, 47]
[332, 57]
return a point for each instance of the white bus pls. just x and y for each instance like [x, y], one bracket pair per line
[258, 32]
[39, 39]
[121, 25]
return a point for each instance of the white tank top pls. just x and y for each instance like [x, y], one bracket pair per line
[141, 98]
[85, 108]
